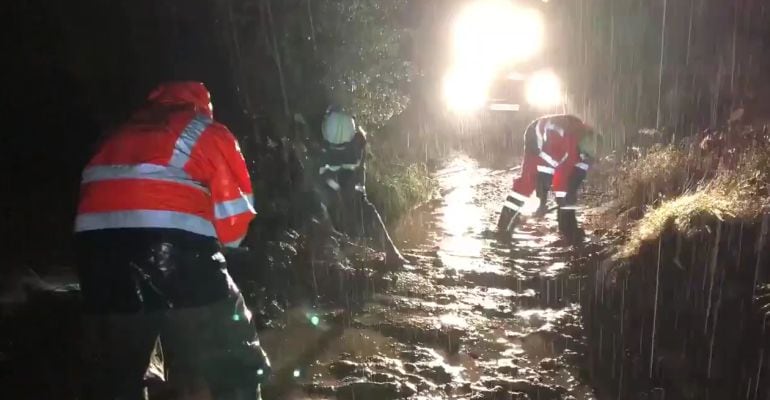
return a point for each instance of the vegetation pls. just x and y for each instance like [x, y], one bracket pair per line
[687, 193]
[395, 187]
[312, 54]
[662, 173]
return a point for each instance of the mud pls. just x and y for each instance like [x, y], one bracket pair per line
[471, 317]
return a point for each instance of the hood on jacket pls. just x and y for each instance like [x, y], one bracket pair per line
[183, 93]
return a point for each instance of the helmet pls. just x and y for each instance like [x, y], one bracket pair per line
[338, 127]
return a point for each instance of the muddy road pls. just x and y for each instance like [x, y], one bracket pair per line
[472, 318]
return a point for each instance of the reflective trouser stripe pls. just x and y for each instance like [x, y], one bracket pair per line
[548, 159]
[560, 194]
[187, 139]
[144, 219]
[156, 172]
[582, 166]
[511, 205]
[545, 170]
[573, 208]
[517, 196]
[230, 208]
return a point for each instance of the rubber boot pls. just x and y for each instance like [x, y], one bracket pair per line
[543, 187]
[508, 220]
[393, 258]
[568, 224]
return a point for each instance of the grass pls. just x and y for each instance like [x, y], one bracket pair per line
[662, 173]
[395, 187]
[738, 193]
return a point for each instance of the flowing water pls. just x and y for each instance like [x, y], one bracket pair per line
[471, 318]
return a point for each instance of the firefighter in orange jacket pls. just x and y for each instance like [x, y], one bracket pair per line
[550, 148]
[163, 195]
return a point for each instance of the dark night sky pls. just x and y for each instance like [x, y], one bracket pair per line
[71, 71]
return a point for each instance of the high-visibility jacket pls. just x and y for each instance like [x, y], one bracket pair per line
[573, 133]
[550, 144]
[171, 166]
[551, 139]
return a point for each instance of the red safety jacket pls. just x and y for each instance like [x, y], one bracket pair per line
[572, 129]
[557, 138]
[170, 166]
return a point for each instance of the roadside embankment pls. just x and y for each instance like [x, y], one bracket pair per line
[675, 310]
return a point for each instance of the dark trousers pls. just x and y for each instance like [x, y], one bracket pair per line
[567, 213]
[142, 287]
[353, 213]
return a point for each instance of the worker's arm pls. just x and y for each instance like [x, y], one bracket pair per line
[544, 128]
[587, 149]
[360, 150]
[231, 190]
[531, 143]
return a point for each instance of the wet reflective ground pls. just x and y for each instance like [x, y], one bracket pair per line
[472, 318]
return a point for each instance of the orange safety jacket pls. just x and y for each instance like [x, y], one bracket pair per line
[172, 167]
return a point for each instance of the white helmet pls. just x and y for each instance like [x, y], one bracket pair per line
[338, 127]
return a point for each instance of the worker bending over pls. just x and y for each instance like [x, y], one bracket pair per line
[343, 180]
[551, 157]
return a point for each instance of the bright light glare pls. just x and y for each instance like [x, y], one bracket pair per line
[543, 90]
[496, 32]
[488, 36]
[465, 89]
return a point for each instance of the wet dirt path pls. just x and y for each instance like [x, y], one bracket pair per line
[472, 318]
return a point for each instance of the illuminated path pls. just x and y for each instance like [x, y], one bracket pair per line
[472, 319]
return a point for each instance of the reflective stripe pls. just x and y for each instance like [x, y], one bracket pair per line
[582, 166]
[548, 159]
[144, 219]
[333, 184]
[231, 208]
[544, 169]
[140, 171]
[235, 243]
[560, 194]
[335, 168]
[569, 208]
[187, 140]
[518, 196]
[539, 133]
[511, 206]
[549, 125]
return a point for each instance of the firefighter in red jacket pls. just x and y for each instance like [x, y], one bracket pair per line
[550, 148]
[569, 176]
[163, 195]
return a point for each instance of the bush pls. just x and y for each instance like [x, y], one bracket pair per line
[734, 194]
[662, 173]
[395, 188]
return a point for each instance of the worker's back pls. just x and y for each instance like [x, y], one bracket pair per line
[161, 196]
[170, 166]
